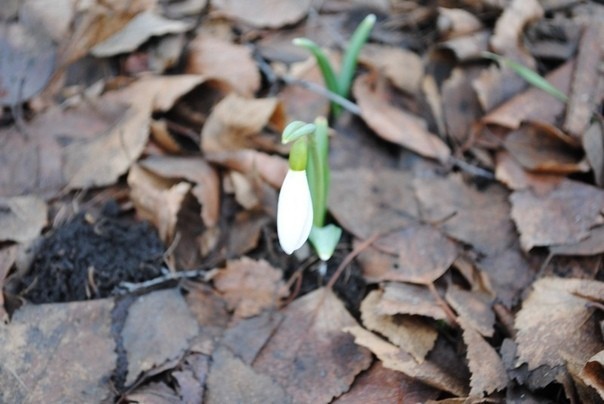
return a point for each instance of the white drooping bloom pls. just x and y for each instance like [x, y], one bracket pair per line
[294, 211]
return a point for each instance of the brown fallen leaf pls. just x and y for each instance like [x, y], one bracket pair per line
[158, 328]
[511, 173]
[196, 170]
[227, 131]
[8, 255]
[593, 144]
[245, 232]
[508, 273]
[467, 214]
[593, 372]
[394, 124]
[157, 200]
[404, 298]
[250, 286]
[388, 60]
[365, 203]
[466, 47]
[153, 393]
[457, 22]
[138, 30]
[264, 13]
[460, 104]
[413, 335]
[561, 216]
[271, 169]
[592, 245]
[474, 308]
[191, 379]
[424, 253]
[327, 359]
[211, 312]
[217, 58]
[583, 92]
[557, 304]
[382, 385]
[22, 218]
[396, 359]
[543, 148]
[74, 351]
[232, 381]
[488, 373]
[511, 23]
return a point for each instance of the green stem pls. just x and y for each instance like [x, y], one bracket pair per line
[317, 171]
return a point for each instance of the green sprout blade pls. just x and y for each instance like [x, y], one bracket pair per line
[325, 240]
[296, 130]
[531, 76]
[359, 38]
[317, 171]
[327, 71]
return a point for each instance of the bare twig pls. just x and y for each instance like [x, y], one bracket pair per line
[471, 169]
[128, 287]
[352, 255]
[324, 92]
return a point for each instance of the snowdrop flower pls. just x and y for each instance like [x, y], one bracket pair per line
[294, 211]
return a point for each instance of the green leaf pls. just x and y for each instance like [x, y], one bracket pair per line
[296, 130]
[531, 76]
[317, 171]
[325, 240]
[358, 40]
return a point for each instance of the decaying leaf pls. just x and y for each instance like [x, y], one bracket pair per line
[136, 32]
[460, 105]
[394, 124]
[593, 144]
[250, 286]
[74, 351]
[593, 372]
[389, 61]
[327, 359]
[229, 131]
[592, 245]
[211, 312]
[510, 172]
[396, 359]
[457, 22]
[264, 13]
[158, 328]
[8, 255]
[271, 169]
[488, 372]
[474, 308]
[561, 216]
[411, 334]
[152, 392]
[217, 58]
[22, 218]
[559, 304]
[404, 298]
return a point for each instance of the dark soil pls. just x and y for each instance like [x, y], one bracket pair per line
[89, 256]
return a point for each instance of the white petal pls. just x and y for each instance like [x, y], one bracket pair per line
[294, 211]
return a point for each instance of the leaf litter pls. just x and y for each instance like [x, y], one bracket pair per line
[142, 162]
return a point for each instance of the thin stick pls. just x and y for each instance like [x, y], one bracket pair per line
[324, 92]
[471, 169]
[128, 287]
[352, 255]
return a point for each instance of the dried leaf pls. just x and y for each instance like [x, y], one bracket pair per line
[593, 372]
[389, 61]
[511, 173]
[460, 104]
[457, 22]
[264, 13]
[561, 216]
[8, 255]
[245, 232]
[211, 313]
[488, 372]
[245, 384]
[226, 130]
[511, 23]
[474, 308]
[382, 385]
[58, 335]
[396, 125]
[250, 286]
[216, 58]
[154, 393]
[327, 360]
[158, 328]
[543, 148]
[593, 144]
[467, 214]
[396, 359]
[557, 304]
[22, 218]
[411, 334]
[592, 245]
[404, 298]
[139, 30]
[271, 169]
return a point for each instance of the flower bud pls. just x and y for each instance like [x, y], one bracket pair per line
[294, 211]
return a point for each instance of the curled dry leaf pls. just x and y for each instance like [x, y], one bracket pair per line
[236, 123]
[327, 359]
[389, 60]
[557, 304]
[488, 373]
[413, 335]
[404, 298]
[534, 104]
[264, 13]
[474, 308]
[207, 182]
[217, 58]
[396, 359]
[592, 245]
[157, 200]
[511, 23]
[394, 124]
[467, 47]
[250, 286]
[136, 32]
[467, 214]
[593, 372]
[271, 169]
[456, 22]
[561, 216]
[543, 148]
[365, 203]
[22, 218]
[157, 329]
[509, 172]
[58, 334]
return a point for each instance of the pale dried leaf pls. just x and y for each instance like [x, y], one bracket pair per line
[456, 22]
[264, 13]
[271, 169]
[8, 255]
[510, 172]
[593, 144]
[474, 308]
[592, 245]
[158, 328]
[59, 337]
[404, 298]
[327, 359]
[22, 218]
[593, 372]
[411, 334]
[389, 60]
